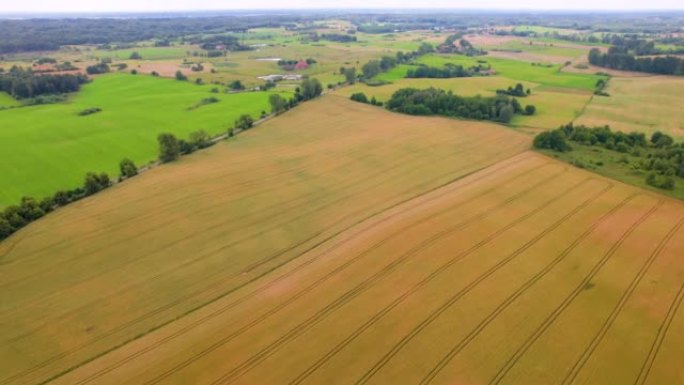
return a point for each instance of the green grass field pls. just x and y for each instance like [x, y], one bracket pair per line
[549, 76]
[50, 147]
[7, 101]
[613, 164]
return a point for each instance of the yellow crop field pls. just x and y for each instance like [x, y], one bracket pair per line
[342, 243]
[527, 272]
[646, 104]
[106, 270]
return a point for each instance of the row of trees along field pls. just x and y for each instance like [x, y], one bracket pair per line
[433, 101]
[448, 71]
[24, 83]
[629, 54]
[660, 157]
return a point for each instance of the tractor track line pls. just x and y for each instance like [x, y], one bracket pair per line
[519, 292]
[501, 373]
[241, 369]
[572, 375]
[464, 291]
[521, 156]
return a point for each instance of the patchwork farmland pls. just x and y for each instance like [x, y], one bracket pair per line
[341, 197]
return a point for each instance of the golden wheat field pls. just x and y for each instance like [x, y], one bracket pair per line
[340, 243]
[106, 270]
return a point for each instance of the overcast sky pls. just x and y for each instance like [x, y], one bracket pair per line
[39, 6]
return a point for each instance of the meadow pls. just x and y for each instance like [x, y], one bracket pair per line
[646, 104]
[7, 101]
[51, 147]
[259, 202]
[549, 75]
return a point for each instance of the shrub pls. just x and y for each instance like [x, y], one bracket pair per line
[90, 111]
[94, 182]
[96, 69]
[180, 76]
[236, 85]
[359, 97]
[200, 139]
[244, 122]
[127, 168]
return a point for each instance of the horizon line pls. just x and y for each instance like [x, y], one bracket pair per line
[348, 9]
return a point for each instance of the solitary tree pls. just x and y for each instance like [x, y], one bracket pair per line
[169, 148]
[350, 75]
[135, 56]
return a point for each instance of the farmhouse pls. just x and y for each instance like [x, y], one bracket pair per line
[275, 77]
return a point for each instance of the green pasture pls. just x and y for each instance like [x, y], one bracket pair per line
[612, 164]
[50, 147]
[7, 101]
[549, 76]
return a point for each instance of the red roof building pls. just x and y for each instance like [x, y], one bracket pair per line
[302, 65]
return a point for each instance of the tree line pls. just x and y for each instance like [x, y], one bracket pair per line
[24, 83]
[50, 34]
[518, 90]
[15, 217]
[432, 101]
[336, 37]
[448, 71]
[619, 59]
[659, 156]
